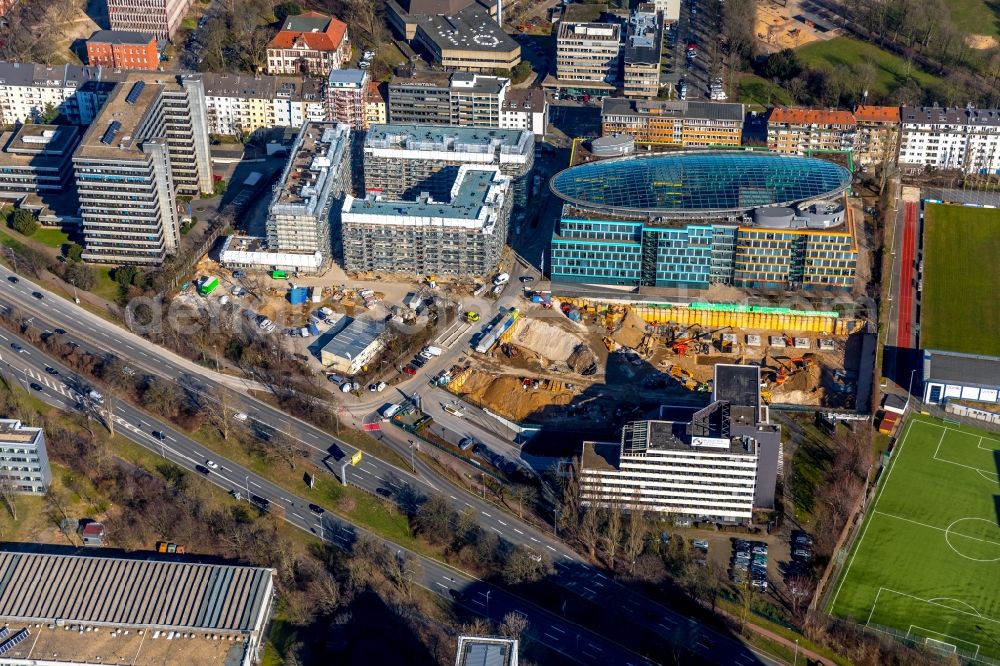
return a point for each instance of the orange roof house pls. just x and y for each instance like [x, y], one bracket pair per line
[310, 43]
[786, 116]
[877, 114]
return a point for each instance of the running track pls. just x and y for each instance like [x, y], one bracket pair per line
[904, 327]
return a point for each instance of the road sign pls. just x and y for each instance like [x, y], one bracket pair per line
[356, 458]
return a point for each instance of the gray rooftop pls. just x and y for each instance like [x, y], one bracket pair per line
[121, 37]
[476, 651]
[39, 145]
[354, 338]
[959, 368]
[347, 78]
[124, 142]
[306, 23]
[470, 194]
[131, 592]
[448, 138]
[619, 106]
[469, 29]
[316, 158]
[645, 39]
[737, 384]
[936, 115]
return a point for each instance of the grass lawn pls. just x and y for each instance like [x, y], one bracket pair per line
[104, 286]
[926, 561]
[976, 17]
[890, 69]
[53, 237]
[961, 280]
[761, 93]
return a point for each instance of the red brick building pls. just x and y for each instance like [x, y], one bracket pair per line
[123, 50]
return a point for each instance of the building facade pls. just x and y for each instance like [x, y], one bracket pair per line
[29, 90]
[877, 140]
[355, 345]
[347, 97]
[799, 131]
[402, 161]
[697, 219]
[588, 52]
[965, 139]
[958, 376]
[525, 108]
[462, 235]
[311, 44]
[37, 159]
[459, 99]
[718, 464]
[376, 110]
[24, 462]
[674, 123]
[160, 18]
[641, 55]
[123, 50]
[239, 105]
[310, 192]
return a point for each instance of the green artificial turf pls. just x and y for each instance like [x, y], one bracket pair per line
[961, 284]
[927, 562]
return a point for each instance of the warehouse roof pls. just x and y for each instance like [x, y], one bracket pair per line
[967, 369]
[132, 592]
[353, 339]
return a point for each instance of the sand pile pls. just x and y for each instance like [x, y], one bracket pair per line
[548, 341]
[581, 358]
[632, 330]
[506, 396]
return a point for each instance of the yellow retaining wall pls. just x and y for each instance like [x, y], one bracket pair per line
[711, 319]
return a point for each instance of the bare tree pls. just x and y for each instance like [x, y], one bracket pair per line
[800, 590]
[513, 626]
[636, 529]
[590, 530]
[522, 494]
[8, 494]
[613, 531]
[222, 412]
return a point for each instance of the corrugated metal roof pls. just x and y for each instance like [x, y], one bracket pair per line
[118, 591]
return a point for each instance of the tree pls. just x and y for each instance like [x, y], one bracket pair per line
[75, 252]
[636, 529]
[613, 531]
[81, 275]
[8, 493]
[162, 397]
[590, 530]
[24, 222]
[522, 494]
[222, 412]
[434, 519]
[522, 565]
[782, 66]
[513, 625]
[286, 9]
[521, 72]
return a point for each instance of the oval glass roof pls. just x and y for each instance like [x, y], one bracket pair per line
[685, 183]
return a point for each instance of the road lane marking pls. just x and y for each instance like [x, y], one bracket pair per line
[519, 531]
[548, 635]
[555, 628]
[496, 530]
[441, 584]
[486, 514]
[534, 539]
[589, 590]
[501, 522]
[550, 548]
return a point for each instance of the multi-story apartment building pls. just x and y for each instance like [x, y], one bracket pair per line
[461, 99]
[28, 90]
[718, 464]
[376, 110]
[24, 463]
[877, 139]
[641, 55]
[160, 18]
[525, 108]
[799, 131]
[121, 49]
[312, 187]
[692, 220]
[460, 235]
[312, 44]
[674, 123]
[588, 52]
[402, 161]
[347, 97]
[670, 9]
[950, 138]
[239, 104]
[124, 180]
[37, 159]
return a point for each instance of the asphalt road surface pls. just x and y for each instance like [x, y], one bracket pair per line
[575, 574]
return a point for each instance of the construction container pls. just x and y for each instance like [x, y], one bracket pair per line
[297, 296]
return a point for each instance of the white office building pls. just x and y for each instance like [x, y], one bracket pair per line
[718, 464]
[965, 139]
[24, 464]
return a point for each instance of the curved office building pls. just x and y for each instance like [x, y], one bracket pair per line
[692, 219]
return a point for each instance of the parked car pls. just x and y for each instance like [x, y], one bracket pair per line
[409, 370]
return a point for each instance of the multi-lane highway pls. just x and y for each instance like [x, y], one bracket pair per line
[575, 574]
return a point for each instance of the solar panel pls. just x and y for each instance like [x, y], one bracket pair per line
[109, 134]
[4, 631]
[14, 640]
[133, 95]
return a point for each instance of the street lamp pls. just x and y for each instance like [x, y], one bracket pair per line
[248, 487]
[909, 391]
[488, 604]
[413, 463]
[795, 661]
[76, 298]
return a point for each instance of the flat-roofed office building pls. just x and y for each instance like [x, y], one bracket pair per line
[588, 52]
[37, 159]
[80, 610]
[689, 124]
[24, 462]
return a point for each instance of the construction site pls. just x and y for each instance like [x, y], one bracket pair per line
[789, 24]
[588, 363]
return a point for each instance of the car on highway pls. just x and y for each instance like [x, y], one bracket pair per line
[35, 386]
[159, 435]
[37, 294]
[316, 509]
[60, 331]
[384, 492]
[211, 464]
[240, 416]
[51, 371]
[13, 279]
[201, 469]
[18, 348]
[456, 595]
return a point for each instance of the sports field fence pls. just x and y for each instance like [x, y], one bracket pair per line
[925, 642]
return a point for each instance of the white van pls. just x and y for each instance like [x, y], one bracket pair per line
[503, 278]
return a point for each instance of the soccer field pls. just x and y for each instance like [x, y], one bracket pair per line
[961, 279]
[927, 562]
